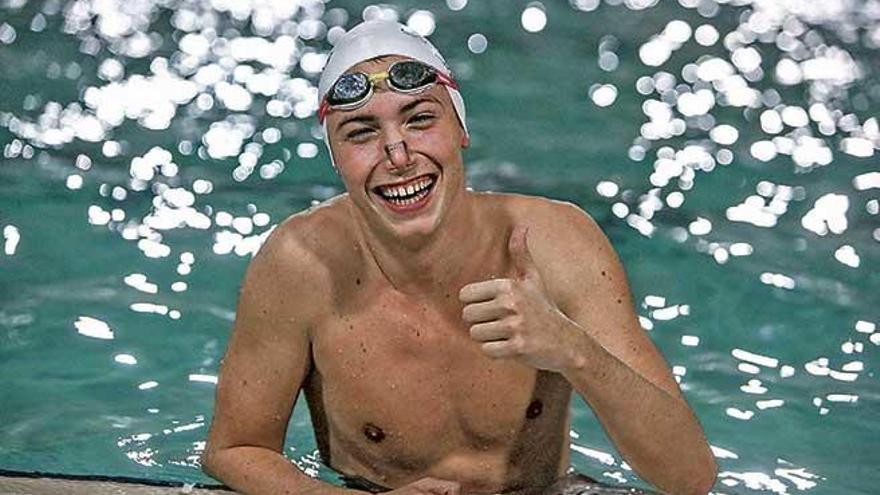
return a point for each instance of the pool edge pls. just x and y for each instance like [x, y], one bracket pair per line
[38, 485]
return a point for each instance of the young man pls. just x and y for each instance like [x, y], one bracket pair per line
[438, 333]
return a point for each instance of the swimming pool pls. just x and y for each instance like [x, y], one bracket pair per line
[727, 149]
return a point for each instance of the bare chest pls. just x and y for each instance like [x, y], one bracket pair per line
[403, 383]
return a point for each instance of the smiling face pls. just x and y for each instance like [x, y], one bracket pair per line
[399, 155]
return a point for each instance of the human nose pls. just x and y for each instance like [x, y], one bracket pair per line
[398, 154]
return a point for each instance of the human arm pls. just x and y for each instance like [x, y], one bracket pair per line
[624, 378]
[574, 316]
[266, 362]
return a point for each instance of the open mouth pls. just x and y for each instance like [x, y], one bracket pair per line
[408, 195]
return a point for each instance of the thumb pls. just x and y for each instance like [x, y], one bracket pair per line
[520, 255]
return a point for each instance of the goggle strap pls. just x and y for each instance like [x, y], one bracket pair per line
[447, 80]
[322, 110]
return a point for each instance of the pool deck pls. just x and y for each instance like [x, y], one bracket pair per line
[14, 485]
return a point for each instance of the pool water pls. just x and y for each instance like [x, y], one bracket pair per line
[726, 148]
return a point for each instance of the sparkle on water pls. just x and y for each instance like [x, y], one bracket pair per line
[224, 77]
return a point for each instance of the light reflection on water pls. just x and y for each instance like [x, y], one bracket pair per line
[175, 103]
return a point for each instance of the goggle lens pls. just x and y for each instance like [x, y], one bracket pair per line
[409, 75]
[406, 75]
[349, 89]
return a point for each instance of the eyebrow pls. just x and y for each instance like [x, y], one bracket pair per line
[364, 119]
[424, 99]
[371, 119]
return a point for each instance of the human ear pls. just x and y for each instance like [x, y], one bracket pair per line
[465, 140]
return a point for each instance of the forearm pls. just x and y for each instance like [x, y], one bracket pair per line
[257, 470]
[655, 430]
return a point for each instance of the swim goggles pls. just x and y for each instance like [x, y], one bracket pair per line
[354, 89]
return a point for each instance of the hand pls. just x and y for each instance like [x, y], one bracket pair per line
[429, 486]
[515, 318]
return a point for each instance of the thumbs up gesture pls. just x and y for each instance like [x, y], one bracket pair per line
[515, 318]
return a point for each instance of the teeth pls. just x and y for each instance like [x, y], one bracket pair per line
[413, 192]
[398, 191]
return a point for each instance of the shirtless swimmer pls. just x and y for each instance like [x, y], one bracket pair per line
[437, 332]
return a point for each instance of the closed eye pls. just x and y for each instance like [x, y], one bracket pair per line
[359, 133]
[421, 118]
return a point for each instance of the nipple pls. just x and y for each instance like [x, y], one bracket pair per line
[373, 433]
[534, 409]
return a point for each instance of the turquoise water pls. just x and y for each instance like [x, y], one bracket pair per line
[143, 161]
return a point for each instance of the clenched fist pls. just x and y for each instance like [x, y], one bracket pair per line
[515, 318]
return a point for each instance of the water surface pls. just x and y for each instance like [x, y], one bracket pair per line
[726, 148]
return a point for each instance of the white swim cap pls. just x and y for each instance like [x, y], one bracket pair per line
[373, 39]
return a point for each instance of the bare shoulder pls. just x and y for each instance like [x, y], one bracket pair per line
[285, 291]
[584, 276]
[559, 227]
[572, 252]
[298, 253]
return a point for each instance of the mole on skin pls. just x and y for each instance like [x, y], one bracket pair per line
[534, 410]
[373, 433]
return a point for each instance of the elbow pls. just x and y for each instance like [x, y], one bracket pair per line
[208, 461]
[205, 463]
[711, 475]
[695, 479]
[703, 480]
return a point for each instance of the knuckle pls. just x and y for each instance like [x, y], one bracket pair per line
[467, 314]
[508, 302]
[515, 322]
[517, 295]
